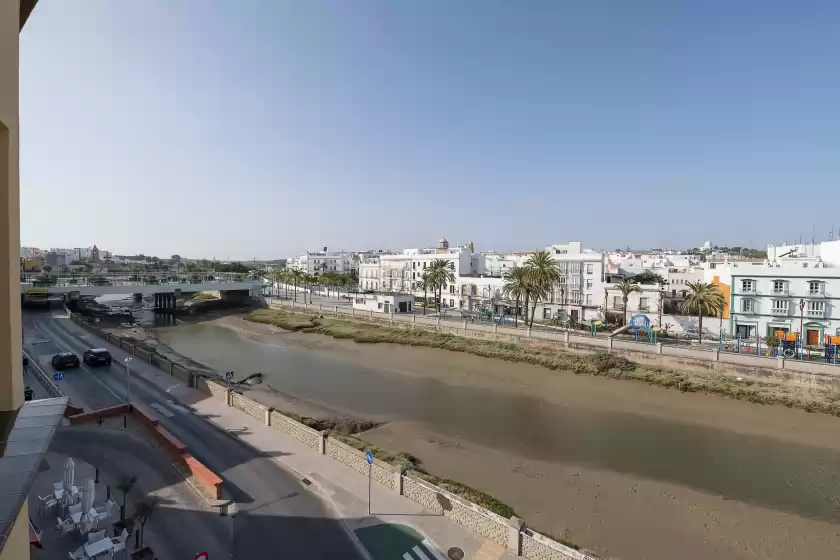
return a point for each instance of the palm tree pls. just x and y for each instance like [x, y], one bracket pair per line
[543, 273]
[424, 284]
[516, 286]
[142, 511]
[627, 287]
[125, 485]
[703, 299]
[297, 277]
[441, 272]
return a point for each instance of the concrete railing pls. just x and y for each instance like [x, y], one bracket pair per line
[43, 377]
[686, 357]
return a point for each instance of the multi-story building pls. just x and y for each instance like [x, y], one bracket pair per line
[318, 262]
[796, 289]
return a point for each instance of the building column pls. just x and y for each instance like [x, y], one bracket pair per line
[11, 374]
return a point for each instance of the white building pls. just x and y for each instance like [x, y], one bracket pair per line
[318, 262]
[796, 289]
[384, 303]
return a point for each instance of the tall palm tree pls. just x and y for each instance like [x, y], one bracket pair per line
[627, 287]
[441, 272]
[703, 299]
[297, 277]
[424, 284]
[515, 287]
[543, 272]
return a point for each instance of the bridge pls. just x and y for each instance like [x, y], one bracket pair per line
[229, 286]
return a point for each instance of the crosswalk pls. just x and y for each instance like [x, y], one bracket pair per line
[167, 408]
[423, 551]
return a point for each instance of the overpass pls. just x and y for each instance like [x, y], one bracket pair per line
[75, 286]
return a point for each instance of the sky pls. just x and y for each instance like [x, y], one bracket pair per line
[261, 129]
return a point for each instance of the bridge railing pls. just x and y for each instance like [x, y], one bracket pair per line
[147, 279]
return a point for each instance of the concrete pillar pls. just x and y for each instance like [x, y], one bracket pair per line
[11, 374]
[529, 332]
[567, 338]
[465, 326]
[658, 347]
[414, 318]
[514, 543]
[716, 354]
[336, 311]
[609, 344]
[353, 311]
[267, 416]
[138, 298]
[780, 362]
[227, 397]
[495, 328]
[437, 323]
[370, 313]
[320, 307]
[398, 479]
[322, 443]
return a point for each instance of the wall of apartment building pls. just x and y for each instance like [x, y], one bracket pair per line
[11, 377]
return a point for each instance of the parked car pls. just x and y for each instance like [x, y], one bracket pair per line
[64, 360]
[97, 357]
[707, 334]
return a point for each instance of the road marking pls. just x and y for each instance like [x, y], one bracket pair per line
[170, 389]
[408, 556]
[176, 406]
[431, 548]
[162, 409]
[419, 552]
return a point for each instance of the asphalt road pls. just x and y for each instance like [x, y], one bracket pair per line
[276, 515]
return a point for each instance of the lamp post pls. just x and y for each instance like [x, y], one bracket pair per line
[801, 316]
[127, 380]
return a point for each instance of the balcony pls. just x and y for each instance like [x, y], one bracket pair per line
[617, 306]
[819, 313]
[780, 292]
[644, 308]
[752, 290]
[784, 312]
[816, 293]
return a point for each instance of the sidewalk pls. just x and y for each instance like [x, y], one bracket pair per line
[343, 487]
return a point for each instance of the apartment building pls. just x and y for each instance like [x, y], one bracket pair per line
[318, 262]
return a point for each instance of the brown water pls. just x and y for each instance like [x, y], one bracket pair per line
[571, 420]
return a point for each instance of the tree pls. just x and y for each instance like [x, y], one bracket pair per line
[627, 287]
[648, 277]
[516, 287]
[125, 485]
[703, 299]
[543, 273]
[296, 277]
[175, 258]
[424, 284]
[142, 511]
[46, 268]
[441, 272]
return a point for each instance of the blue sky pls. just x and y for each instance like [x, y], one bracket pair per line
[265, 128]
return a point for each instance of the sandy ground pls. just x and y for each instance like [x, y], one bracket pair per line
[612, 513]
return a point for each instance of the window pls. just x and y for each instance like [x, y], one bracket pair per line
[643, 303]
[814, 287]
[413, 264]
[588, 283]
[379, 305]
[589, 268]
[747, 286]
[451, 303]
[588, 299]
[816, 308]
[778, 286]
[424, 266]
[780, 306]
[360, 301]
[452, 288]
[617, 303]
[546, 313]
[414, 285]
[747, 306]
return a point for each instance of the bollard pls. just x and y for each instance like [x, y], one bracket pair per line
[322, 442]
[514, 543]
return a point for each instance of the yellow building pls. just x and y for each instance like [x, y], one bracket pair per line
[20, 455]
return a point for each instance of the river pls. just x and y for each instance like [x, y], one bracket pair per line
[697, 447]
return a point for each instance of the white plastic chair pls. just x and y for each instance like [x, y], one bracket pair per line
[95, 537]
[119, 542]
[58, 486]
[78, 554]
[75, 508]
[49, 502]
[64, 525]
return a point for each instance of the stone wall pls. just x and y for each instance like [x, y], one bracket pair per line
[144, 355]
[304, 434]
[249, 407]
[383, 473]
[539, 547]
[478, 519]
[182, 373]
[162, 363]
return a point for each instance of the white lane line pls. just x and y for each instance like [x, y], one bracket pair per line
[64, 348]
[175, 406]
[408, 556]
[431, 548]
[419, 552]
[162, 409]
[170, 389]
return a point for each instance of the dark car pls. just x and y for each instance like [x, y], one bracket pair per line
[97, 357]
[64, 360]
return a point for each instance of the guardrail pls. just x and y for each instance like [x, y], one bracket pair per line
[42, 376]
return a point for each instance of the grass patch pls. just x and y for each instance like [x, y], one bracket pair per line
[204, 296]
[288, 321]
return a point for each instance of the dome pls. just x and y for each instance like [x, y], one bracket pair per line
[442, 240]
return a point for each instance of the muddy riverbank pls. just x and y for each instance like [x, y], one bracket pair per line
[578, 456]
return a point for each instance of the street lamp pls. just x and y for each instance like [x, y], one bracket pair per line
[801, 317]
[127, 380]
